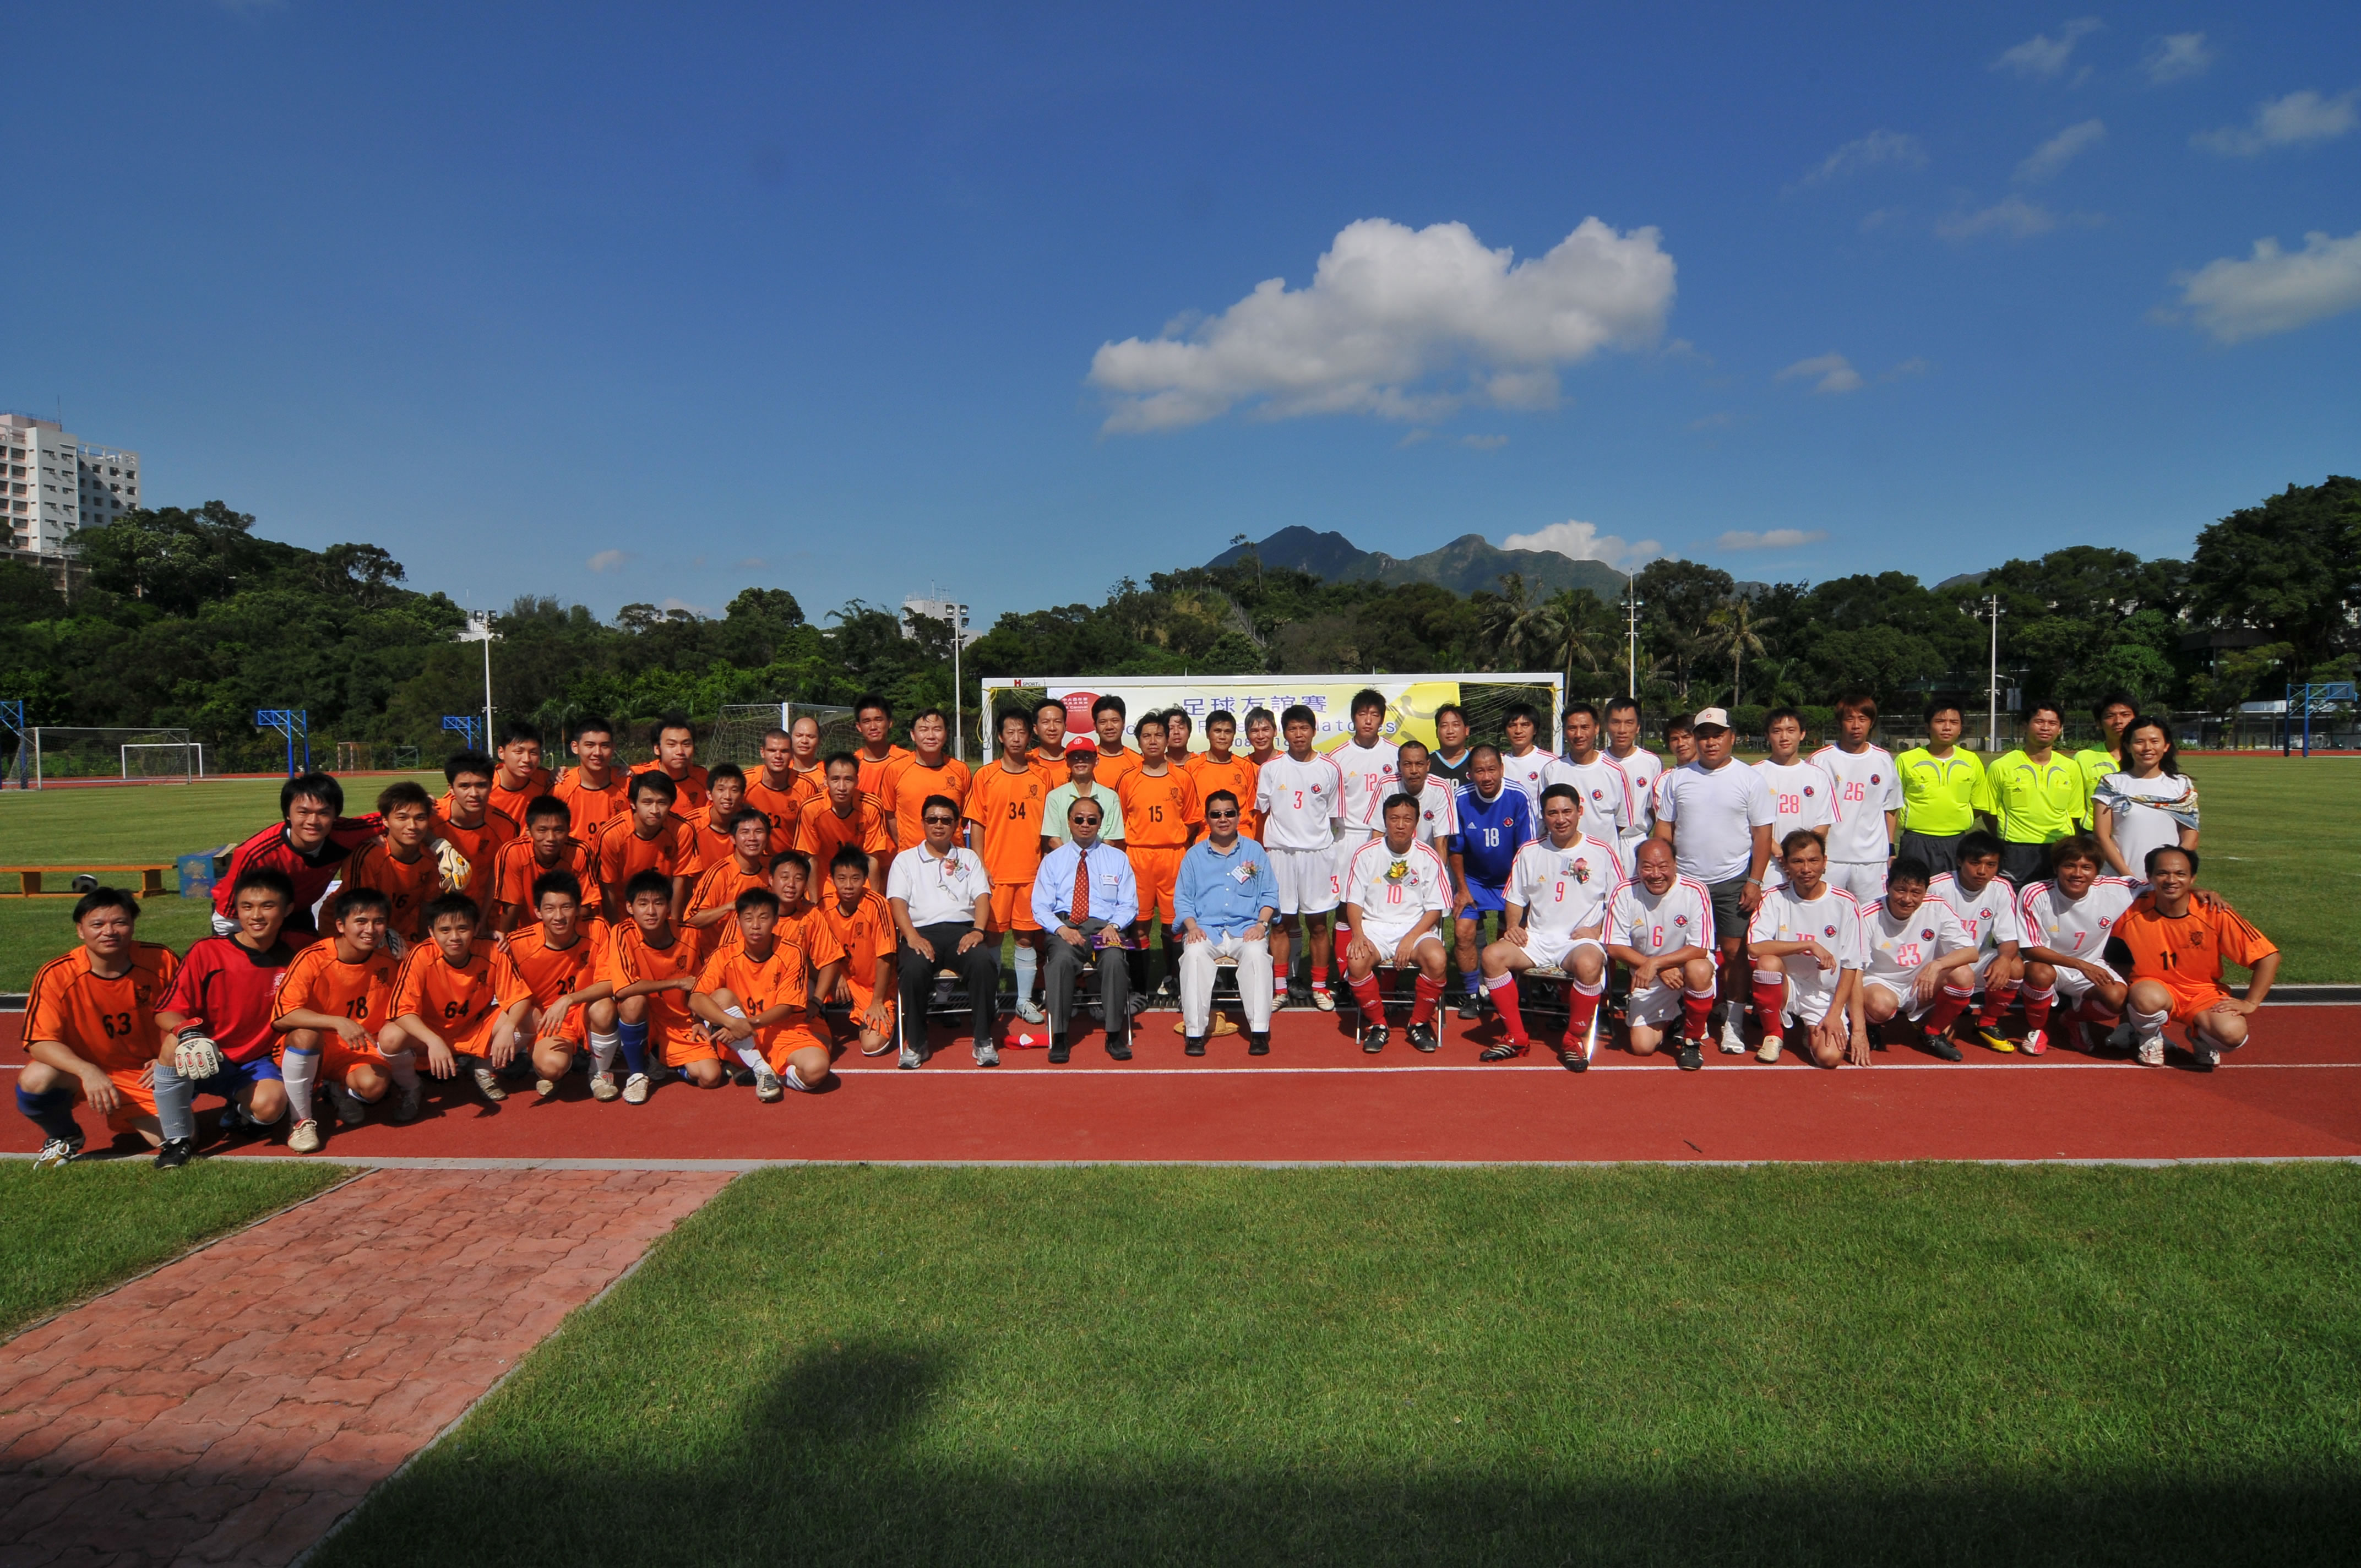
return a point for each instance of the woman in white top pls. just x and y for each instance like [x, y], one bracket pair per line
[2148, 805]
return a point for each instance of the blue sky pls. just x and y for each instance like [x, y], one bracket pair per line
[650, 304]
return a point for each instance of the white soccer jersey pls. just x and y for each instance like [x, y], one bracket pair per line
[1641, 769]
[1438, 811]
[1369, 773]
[1396, 889]
[1300, 803]
[1528, 773]
[1988, 916]
[1605, 793]
[1832, 920]
[1866, 789]
[2078, 927]
[1566, 890]
[1801, 796]
[1896, 950]
[1682, 917]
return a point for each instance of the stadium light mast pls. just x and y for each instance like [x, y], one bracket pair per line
[1631, 635]
[479, 630]
[1992, 687]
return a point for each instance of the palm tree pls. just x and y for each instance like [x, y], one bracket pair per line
[1737, 630]
[1522, 631]
[1581, 631]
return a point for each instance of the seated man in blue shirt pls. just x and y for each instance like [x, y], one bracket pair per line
[1083, 896]
[1495, 822]
[1226, 897]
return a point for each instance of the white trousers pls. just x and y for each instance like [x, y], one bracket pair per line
[1197, 970]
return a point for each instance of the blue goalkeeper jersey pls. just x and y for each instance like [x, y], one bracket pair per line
[1491, 832]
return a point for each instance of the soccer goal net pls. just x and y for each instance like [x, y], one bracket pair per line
[74, 756]
[737, 735]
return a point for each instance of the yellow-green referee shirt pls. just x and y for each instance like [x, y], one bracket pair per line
[1938, 794]
[2096, 764]
[2036, 803]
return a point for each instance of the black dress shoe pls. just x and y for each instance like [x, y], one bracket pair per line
[1061, 1048]
[1119, 1050]
[1195, 1048]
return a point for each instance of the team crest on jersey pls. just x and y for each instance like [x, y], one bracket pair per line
[1598, 795]
[1680, 919]
[1873, 778]
[1926, 935]
[2106, 921]
[1808, 792]
[1828, 930]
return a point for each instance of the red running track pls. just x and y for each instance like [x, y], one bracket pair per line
[2294, 1094]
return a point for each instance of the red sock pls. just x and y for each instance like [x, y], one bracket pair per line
[1995, 1002]
[1339, 938]
[1504, 998]
[1365, 992]
[1771, 1002]
[1945, 1012]
[1428, 995]
[1697, 1013]
[1318, 955]
[1581, 1006]
[2036, 1007]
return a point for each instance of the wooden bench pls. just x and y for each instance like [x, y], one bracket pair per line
[30, 879]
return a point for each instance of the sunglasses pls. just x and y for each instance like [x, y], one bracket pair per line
[1220, 816]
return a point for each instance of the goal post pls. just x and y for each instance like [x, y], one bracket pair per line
[65, 755]
[737, 734]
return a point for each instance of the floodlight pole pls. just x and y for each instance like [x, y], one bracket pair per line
[958, 741]
[1992, 690]
[1632, 636]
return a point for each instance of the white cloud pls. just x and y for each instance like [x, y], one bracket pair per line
[2012, 216]
[2176, 56]
[1399, 323]
[609, 560]
[1876, 150]
[2062, 149]
[2290, 121]
[1484, 443]
[1769, 539]
[1834, 372]
[2041, 56]
[1582, 542]
[2272, 291]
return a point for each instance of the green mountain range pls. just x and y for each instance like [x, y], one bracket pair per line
[1468, 563]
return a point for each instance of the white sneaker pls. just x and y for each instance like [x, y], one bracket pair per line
[1733, 1037]
[61, 1151]
[986, 1054]
[910, 1059]
[544, 1086]
[1322, 1000]
[767, 1086]
[1768, 1049]
[1030, 1011]
[635, 1090]
[304, 1139]
[602, 1086]
[488, 1084]
[2152, 1051]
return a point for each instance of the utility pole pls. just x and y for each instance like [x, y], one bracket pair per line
[1992, 690]
[958, 717]
[1632, 636]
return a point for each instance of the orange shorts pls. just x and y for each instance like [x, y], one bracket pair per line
[781, 1041]
[678, 1048]
[2188, 1006]
[574, 1031]
[1157, 872]
[337, 1059]
[138, 1099]
[1012, 906]
[862, 995]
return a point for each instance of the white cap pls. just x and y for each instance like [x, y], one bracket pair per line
[1717, 717]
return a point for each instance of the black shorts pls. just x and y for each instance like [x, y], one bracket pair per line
[2025, 864]
[1939, 850]
[1728, 919]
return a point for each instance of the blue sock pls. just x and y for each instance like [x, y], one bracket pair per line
[52, 1111]
[175, 1101]
[1475, 983]
[633, 1038]
[1028, 965]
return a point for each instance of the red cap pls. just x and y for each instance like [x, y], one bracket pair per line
[1082, 748]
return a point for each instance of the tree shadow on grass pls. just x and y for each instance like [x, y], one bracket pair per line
[824, 1466]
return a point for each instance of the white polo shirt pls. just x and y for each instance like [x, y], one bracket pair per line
[1714, 813]
[939, 892]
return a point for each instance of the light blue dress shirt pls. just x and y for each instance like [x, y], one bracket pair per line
[1115, 896]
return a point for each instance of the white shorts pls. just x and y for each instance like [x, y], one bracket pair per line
[1903, 992]
[1809, 999]
[1656, 1007]
[1983, 962]
[1307, 880]
[2073, 984]
[1550, 949]
[1865, 880]
[1342, 871]
[1386, 936]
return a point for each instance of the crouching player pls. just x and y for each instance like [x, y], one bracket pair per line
[2064, 925]
[218, 1016]
[560, 964]
[1559, 888]
[1394, 898]
[90, 1028]
[652, 967]
[754, 996]
[338, 997]
[2171, 945]
[1806, 943]
[1660, 927]
[1985, 906]
[1917, 960]
[446, 1001]
[864, 926]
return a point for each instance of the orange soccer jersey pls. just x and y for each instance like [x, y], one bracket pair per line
[821, 832]
[1006, 810]
[909, 784]
[459, 1002]
[2185, 955]
[802, 926]
[526, 965]
[408, 888]
[1238, 775]
[510, 803]
[759, 984]
[621, 854]
[632, 958]
[1157, 813]
[514, 870]
[694, 787]
[591, 807]
[110, 1024]
[718, 889]
[783, 806]
[317, 981]
[873, 772]
[863, 935]
[709, 841]
[480, 844]
[1111, 767]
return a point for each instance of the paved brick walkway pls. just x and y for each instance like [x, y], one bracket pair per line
[235, 1404]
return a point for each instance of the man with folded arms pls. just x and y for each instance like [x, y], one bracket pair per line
[1083, 896]
[1226, 897]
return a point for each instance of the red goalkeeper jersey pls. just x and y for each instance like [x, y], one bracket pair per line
[229, 989]
[311, 873]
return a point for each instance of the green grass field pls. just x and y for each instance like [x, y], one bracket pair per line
[72, 1234]
[1836, 1364]
[2282, 841]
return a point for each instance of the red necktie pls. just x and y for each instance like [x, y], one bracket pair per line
[1081, 887]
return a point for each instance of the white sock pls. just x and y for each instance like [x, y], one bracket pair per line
[602, 1051]
[2147, 1025]
[1028, 964]
[299, 1068]
[403, 1067]
[754, 1059]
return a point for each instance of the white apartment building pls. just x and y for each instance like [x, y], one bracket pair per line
[936, 608]
[58, 484]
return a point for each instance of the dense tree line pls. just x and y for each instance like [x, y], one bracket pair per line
[189, 618]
